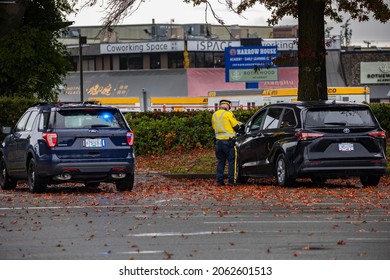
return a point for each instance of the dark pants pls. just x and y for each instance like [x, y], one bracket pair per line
[224, 151]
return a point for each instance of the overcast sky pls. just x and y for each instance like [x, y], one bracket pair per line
[166, 11]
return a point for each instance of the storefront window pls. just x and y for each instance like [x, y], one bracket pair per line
[219, 60]
[175, 60]
[208, 60]
[155, 61]
[199, 60]
[132, 61]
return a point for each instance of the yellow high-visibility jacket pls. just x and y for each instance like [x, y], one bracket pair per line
[223, 123]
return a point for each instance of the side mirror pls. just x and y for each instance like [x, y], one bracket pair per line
[6, 129]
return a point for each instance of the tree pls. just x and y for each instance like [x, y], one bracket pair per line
[32, 61]
[311, 22]
[346, 33]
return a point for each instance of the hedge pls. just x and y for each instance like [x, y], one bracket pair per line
[157, 132]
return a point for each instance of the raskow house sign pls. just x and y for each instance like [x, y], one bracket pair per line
[251, 64]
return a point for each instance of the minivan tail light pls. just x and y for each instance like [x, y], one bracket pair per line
[51, 139]
[130, 138]
[378, 134]
[308, 135]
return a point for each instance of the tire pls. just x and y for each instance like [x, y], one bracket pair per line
[370, 180]
[281, 173]
[36, 183]
[92, 185]
[6, 182]
[126, 184]
[318, 180]
[239, 178]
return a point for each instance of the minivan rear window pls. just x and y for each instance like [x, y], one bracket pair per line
[339, 117]
[89, 118]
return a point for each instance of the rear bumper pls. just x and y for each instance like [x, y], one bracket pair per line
[97, 169]
[342, 168]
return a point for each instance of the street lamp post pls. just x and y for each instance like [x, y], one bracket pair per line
[82, 40]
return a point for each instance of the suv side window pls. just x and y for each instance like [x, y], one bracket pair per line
[272, 119]
[22, 122]
[31, 121]
[288, 119]
[257, 121]
[44, 121]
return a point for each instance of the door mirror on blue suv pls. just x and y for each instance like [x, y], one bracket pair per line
[6, 129]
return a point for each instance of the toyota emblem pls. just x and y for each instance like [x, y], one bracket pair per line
[346, 130]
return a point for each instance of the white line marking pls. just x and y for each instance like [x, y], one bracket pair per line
[285, 222]
[138, 252]
[159, 234]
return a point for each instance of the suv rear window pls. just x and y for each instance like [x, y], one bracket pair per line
[338, 117]
[89, 118]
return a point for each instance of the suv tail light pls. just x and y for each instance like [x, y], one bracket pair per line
[130, 138]
[51, 139]
[308, 135]
[378, 134]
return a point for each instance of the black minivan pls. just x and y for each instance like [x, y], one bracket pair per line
[56, 143]
[317, 140]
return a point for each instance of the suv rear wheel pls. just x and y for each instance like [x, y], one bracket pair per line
[370, 180]
[125, 184]
[36, 183]
[6, 182]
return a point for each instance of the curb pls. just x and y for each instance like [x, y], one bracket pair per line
[189, 176]
[211, 175]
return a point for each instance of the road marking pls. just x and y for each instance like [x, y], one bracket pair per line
[369, 239]
[284, 222]
[139, 252]
[67, 207]
[160, 234]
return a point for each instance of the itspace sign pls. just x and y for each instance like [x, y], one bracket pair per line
[149, 47]
[375, 72]
[211, 46]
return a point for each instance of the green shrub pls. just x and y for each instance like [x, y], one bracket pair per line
[382, 113]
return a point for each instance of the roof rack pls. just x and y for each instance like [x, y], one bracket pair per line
[61, 103]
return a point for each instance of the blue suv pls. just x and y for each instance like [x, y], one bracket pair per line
[68, 142]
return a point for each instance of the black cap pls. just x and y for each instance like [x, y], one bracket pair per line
[225, 101]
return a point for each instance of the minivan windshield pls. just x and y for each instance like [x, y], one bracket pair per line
[339, 117]
[89, 118]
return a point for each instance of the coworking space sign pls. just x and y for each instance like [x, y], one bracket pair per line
[251, 64]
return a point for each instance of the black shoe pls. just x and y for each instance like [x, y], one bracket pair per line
[220, 184]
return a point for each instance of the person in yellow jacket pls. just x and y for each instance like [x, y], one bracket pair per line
[225, 127]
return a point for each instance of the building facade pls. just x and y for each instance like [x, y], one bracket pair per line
[170, 60]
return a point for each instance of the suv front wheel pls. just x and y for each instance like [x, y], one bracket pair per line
[281, 172]
[36, 183]
[6, 182]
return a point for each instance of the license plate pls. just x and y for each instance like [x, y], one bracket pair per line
[346, 147]
[94, 143]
